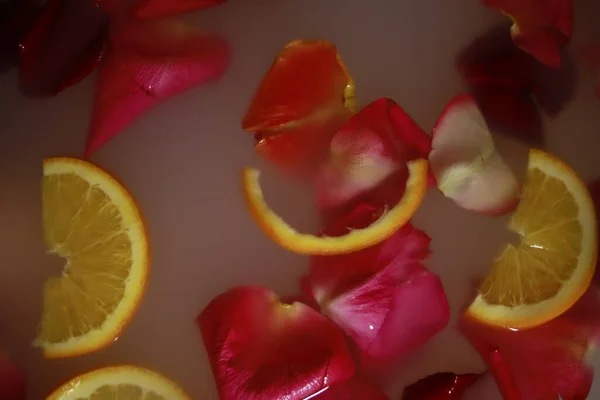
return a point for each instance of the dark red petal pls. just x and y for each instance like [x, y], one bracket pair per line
[545, 361]
[493, 63]
[440, 386]
[12, 382]
[149, 62]
[356, 388]
[16, 18]
[369, 148]
[540, 27]
[164, 8]
[261, 348]
[373, 294]
[63, 47]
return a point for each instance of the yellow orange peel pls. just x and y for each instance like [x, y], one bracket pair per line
[287, 237]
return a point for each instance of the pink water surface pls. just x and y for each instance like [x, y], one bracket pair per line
[183, 161]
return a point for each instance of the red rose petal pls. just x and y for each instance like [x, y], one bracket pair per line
[12, 382]
[261, 348]
[164, 8]
[299, 105]
[545, 361]
[63, 47]
[356, 388]
[373, 294]
[440, 386]
[369, 149]
[147, 63]
[466, 164]
[540, 27]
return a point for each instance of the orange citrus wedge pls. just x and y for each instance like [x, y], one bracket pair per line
[541, 277]
[285, 236]
[123, 382]
[92, 222]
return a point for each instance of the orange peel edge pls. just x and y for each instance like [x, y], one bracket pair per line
[302, 243]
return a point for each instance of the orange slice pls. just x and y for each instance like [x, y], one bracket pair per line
[552, 266]
[285, 236]
[124, 382]
[93, 223]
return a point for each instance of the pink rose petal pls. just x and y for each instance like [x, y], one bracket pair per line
[149, 62]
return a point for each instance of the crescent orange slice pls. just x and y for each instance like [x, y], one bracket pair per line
[122, 382]
[93, 223]
[541, 277]
[287, 237]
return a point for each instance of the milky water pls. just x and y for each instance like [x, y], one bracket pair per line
[182, 162]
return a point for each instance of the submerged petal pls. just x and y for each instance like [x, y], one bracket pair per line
[12, 382]
[543, 362]
[149, 62]
[373, 294]
[440, 386]
[306, 95]
[466, 164]
[261, 348]
[370, 152]
[63, 47]
[540, 27]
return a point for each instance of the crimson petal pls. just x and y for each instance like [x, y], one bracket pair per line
[440, 386]
[370, 152]
[546, 361]
[373, 294]
[149, 62]
[63, 47]
[164, 8]
[16, 18]
[261, 348]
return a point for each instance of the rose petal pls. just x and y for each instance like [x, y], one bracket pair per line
[373, 294]
[303, 99]
[510, 110]
[540, 27]
[355, 388]
[545, 361]
[150, 62]
[493, 62]
[372, 147]
[164, 8]
[16, 18]
[63, 47]
[260, 348]
[466, 164]
[440, 386]
[12, 382]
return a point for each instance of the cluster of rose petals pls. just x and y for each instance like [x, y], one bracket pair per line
[143, 54]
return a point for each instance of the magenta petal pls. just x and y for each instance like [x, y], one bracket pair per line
[149, 62]
[260, 348]
[382, 297]
[63, 47]
[545, 361]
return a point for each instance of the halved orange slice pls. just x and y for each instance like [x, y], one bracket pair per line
[541, 277]
[287, 237]
[123, 382]
[94, 224]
